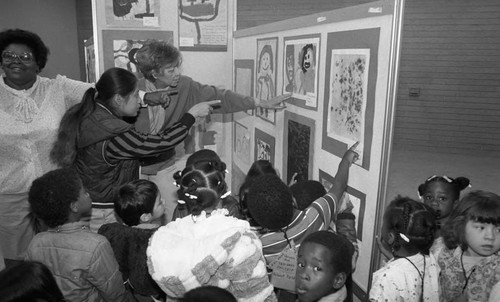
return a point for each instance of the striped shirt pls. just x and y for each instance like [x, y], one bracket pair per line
[316, 217]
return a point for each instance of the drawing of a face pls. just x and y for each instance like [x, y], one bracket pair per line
[308, 59]
[264, 62]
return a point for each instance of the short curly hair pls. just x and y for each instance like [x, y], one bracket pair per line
[270, 202]
[307, 191]
[153, 55]
[134, 199]
[28, 38]
[51, 195]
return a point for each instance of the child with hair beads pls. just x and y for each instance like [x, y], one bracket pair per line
[470, 266]
[227, 201]
[323, 267]
[81, 261]
[208, 247]
[140, 208]
[412, 274]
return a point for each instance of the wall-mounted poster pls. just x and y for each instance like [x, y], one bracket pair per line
[203, 25]
[241, 147]
[352, 200]
[298, 147]
[237, 179]
[243, 78]
[118, 43]
[265, 83]
[133, 13]
[264, 146]
[350, 81]
[90, 60]
[300, 70]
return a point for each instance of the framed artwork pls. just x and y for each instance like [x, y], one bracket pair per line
[350, 81]
[352, 198]
[237, 179]
[264, 146]
[300, 70]
[133, 13]
[243, 78]
[241, 146]
[118, 43]
[265, 83]
[203, 25]
[90, 60]
[298, 147]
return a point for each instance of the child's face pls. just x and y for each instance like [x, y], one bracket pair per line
[131, 104]
[84, 203]
[440, 197]
[315, 274]
[169, 75]
[159, 208]
[483, 239]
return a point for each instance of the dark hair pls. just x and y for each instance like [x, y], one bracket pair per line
[51, 195]
[304, 53]
[267, 49]
[29, 281]
[307, 191]
[341, 250]
[28, 38]
[206, 155]
[134, 199]
[456, 184]
[477, 206]
[201, 186]
[114, 81]
[208, 294]
[270, 202]
[405, 217]
[153, 55]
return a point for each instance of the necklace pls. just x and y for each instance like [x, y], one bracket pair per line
[422, 275]
[465, 274]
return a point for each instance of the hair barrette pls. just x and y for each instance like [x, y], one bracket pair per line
[180, 201]
[226, 194]
[191, 196]
[403, 236]
[176, 184]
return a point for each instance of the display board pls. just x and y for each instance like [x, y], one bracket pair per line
[340, 68]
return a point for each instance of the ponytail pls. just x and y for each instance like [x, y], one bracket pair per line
[64, 150]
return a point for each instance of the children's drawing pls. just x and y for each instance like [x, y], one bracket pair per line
[132, 12]
[265, 84]
[243, 78]
[298, 146]
[300, 70]
[348, 91]
[203, 25]
[241, 143]
[264, 146]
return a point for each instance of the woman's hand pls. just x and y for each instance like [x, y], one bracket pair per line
[203, 109]
[273, 103]
[160, 97]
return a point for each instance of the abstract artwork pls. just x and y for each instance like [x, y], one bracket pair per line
[243, 78]
[264, 146]
[298, 147]
[350, 84]
[203, 25]
[265, 83]
[352, 201]
[241, 143]
[133, 12]
[300, 70]
[117, 45]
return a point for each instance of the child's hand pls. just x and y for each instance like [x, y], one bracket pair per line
[351, 155]
[293, 180]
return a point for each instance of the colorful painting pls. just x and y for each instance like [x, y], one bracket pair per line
[241, 143]
[117, 45]
[352, 201]
[243, 78]
[300, 70]
[264, 146]
[350, 84]
[265, 83]
[203, 25]
[133, 12]
[298, 147]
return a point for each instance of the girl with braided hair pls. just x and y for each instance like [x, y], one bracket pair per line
[208, 247]
[412, 274]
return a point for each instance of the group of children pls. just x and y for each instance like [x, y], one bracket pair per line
[441, 248]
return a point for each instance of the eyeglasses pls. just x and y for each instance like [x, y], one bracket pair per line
[25, 57]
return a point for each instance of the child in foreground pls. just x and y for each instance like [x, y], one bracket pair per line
[470, 266]
[81, 261]
[140, 208]
[323, 266]
[412, 274]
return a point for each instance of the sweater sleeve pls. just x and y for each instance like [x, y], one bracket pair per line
[133, 144]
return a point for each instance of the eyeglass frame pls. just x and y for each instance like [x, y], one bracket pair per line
[18, 57]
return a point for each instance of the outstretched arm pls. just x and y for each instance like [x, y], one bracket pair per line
[340, 182]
